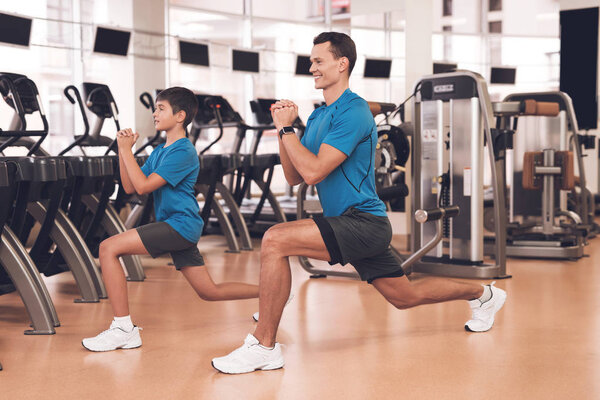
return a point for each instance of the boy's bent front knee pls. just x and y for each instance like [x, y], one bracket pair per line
[107, 248]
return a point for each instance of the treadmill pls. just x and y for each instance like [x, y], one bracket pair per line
[102, 218]
[252, 167]
[40, 181]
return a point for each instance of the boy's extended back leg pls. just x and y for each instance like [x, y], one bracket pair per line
[208, 290]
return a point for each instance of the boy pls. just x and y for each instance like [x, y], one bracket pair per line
[170, 174]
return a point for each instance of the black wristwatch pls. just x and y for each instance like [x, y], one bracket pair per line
[286, 130]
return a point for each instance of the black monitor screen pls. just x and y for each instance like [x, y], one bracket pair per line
[206, 114]
[579, 62]
[503, 75]
[303, 65]
[262, 110]
[111, 41]
[15, 30]
[377, 68]
[97, 97]
[193, 53]
[245, 61]
[440, 68]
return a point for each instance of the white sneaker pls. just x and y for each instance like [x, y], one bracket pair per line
[483, 314]
[289, 300]
[250, 357]
[114, 338]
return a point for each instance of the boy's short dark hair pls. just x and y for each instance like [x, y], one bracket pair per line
[340, 45]
[180, 99]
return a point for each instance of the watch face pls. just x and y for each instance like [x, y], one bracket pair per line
[286, 130]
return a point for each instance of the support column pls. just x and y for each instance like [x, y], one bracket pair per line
[419, 29]
[419, 62]
[149, 63]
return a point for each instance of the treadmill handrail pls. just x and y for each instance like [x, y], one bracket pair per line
[86, 132]
[114, 113]
[15, 99]
[209, 102]
[20, 110]
[148, 102]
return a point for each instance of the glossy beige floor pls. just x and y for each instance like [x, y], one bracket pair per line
[341, 340]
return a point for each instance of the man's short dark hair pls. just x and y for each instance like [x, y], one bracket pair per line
[180, 99]
[340, 45]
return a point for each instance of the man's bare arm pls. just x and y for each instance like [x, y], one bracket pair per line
[299, 163]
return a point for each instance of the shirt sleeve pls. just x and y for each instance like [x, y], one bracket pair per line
[350, 127]
[176, 165]
[147, 167]
[307, 127]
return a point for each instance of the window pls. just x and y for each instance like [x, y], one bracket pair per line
[495, 27]
[495, 5]
[285, 10]
[447, 11]
[225, 6]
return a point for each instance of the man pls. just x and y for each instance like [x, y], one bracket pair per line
[336, 154]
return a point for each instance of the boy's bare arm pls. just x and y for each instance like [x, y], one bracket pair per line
[125, 182]
[140, 183]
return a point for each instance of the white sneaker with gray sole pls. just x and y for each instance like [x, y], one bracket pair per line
[250, 357]
[114, 338]
[483, 314]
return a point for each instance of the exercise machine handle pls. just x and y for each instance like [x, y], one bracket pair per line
[381, 108]
[542, 108]
[147, 101]
[433, 214]
[422, 216]
[86, 133]
[216, 107]
[13, 96]
[393, 192]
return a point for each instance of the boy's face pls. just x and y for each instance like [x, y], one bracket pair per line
[164, 119]
[325, 68]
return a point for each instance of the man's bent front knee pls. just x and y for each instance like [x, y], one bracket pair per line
[275, 242]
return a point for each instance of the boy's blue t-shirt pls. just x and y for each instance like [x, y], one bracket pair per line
[347, 124]
[175, 203]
